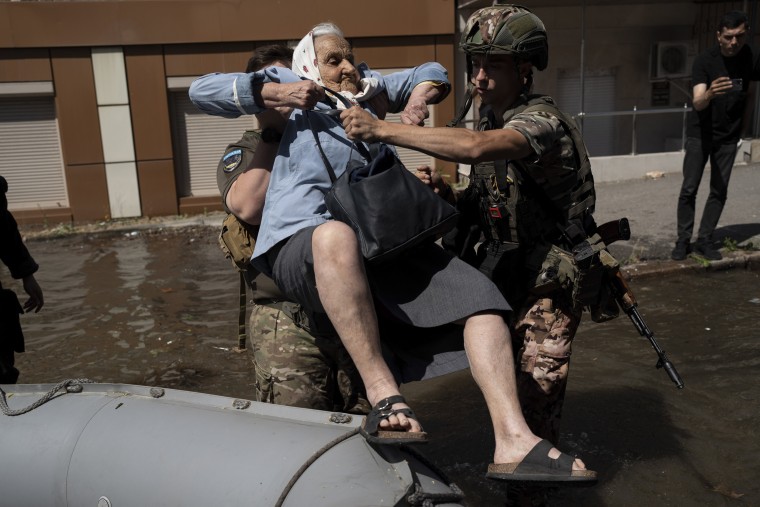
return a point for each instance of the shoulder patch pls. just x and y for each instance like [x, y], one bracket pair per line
[232, 159]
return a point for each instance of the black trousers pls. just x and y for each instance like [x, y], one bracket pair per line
[11, 337]
[721, 158]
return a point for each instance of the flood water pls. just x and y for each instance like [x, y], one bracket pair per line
[160, 308]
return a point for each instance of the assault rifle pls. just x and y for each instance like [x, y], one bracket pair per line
[620, 230]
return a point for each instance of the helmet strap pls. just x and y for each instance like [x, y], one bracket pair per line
[528, 84]
[465, 107]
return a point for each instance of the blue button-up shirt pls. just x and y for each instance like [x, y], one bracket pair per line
[299, 180]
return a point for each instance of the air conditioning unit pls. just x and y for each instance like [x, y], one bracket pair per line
[672, 59]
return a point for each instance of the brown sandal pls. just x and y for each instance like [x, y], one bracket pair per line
[370, 428]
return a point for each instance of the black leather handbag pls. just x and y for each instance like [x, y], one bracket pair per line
[387, 206]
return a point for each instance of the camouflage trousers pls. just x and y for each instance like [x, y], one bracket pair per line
[294, 368]
[543, 335]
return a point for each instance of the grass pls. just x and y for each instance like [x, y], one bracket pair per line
[731, 245]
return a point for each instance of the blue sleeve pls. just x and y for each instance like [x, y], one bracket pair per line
[400, 84]
[232, 95]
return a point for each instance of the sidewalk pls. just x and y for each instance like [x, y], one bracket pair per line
[649, 205]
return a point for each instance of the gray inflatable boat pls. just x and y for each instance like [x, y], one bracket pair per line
[83, 444]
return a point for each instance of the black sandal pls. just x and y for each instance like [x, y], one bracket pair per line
[537, 466]
[370, 428]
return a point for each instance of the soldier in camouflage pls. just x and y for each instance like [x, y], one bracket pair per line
[529, 200]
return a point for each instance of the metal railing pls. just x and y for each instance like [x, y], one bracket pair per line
[634, 113]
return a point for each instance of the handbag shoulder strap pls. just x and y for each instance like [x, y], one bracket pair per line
[328, 166]
[359, 146]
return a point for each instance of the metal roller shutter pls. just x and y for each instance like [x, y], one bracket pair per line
[201, 140]
[599, 97]
[411, 158]
[30, 153]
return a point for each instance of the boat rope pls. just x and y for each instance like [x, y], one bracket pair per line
[425, 499]
[71, 386]
[310, 461]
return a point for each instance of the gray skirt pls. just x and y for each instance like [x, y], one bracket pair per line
[429, 287]
[425, 291]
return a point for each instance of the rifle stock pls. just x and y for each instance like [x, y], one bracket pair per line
[627, 302]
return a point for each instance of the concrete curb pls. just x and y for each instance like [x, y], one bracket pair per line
[746, 259]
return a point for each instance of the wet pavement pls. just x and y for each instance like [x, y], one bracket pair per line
[154, 302]
[650, 206]
[651, 443]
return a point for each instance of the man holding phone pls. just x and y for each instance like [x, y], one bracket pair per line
[720, 78]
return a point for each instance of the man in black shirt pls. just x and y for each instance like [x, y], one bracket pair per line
[720, 77]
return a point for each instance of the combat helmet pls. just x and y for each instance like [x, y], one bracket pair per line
[506, 29]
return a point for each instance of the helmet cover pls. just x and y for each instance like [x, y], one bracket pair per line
[507, 29]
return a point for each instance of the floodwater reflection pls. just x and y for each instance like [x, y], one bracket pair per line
[160, 308]
[148, 307]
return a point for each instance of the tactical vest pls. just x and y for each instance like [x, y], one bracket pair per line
[514, 208]
[535, 224]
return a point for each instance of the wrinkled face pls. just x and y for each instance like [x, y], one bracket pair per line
[336, 63]
[498, 81]
[731, 40]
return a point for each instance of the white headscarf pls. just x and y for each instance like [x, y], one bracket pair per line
[305, 65]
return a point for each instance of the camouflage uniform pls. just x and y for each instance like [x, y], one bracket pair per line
[514, 253]
[296, 368]
[546, 325]
[531, 212]
[546, 330]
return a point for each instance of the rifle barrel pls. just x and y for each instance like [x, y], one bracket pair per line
[663, 361]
